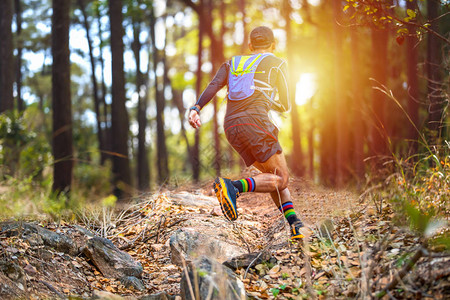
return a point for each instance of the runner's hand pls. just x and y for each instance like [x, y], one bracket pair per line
[194, 119]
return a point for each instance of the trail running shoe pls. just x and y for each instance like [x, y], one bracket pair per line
[226, 194]
[295, 231]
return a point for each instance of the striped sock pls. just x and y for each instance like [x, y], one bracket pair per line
[289, 213]
[245, 185]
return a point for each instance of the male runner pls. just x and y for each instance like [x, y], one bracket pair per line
[247, 125]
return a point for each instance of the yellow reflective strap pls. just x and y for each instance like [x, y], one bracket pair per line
[233, 69]
[252, 63]
[240, 68]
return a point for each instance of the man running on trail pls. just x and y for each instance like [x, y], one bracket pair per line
[252, 83]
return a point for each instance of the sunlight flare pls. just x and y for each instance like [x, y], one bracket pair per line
[305, 88]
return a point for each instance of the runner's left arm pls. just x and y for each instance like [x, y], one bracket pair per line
[218, 82]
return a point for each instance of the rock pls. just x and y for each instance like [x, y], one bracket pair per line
[30, 269]
[187, 244]
[132, 282]
[216, 211]
[112, 262]
[159, 296]
[188, 199]
[12, 270]
[52, 239]
[244, 260]
[212, 280]
[9, 289]
[34, 240]
[102, 295]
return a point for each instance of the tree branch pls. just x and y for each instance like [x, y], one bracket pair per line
[192, 5]
[402, 273]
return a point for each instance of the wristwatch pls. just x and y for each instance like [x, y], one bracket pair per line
[196, 108]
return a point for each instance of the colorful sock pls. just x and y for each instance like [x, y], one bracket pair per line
[289, 213]
[245, 185]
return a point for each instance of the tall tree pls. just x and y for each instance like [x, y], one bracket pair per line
[61, 98]
[198, 85]
[357, 94]
[95, 91]
[297, 157]
[105, 119]
[18, 7]
[204, 10]
[413, 84]
[378, 142]
[119, 114]
[6, 56]
[434, 75]
[161, 147]
[341, 128]
[142, 168]
[217, 57]
[242, 8]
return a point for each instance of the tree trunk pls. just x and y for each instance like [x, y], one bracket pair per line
[244, 45]
[143, 171]
[311, 141]
[161, 149]
[100, 135]
[198, 84]
[341, 128]
[413, 85]
[119, 114]
[20, 103]
[105, 119]
[297, 153]
[435, 85]
[358, 97]
[61, 98]
[216, 48]
[6, 56]
[378, 143]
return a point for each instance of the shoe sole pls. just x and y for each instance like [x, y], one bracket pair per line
[297, 237]
[226, 205]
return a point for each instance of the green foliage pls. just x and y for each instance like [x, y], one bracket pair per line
[92, 179]
[423, 195]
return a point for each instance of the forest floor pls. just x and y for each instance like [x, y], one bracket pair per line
[354, 250]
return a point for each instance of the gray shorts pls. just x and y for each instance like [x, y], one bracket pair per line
[253, 138]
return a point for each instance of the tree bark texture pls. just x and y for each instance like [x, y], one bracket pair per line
[198, 85]
[6, 56]
[341, 108]
[413, 85]
[217, 57]
[143, 171]
[105, 117]
[434, 76]
[95, 92]
[297, 153]
[20, 103]
[378, 146]
[357, 89]
[119, 114]
[161, 148]
[61, 98]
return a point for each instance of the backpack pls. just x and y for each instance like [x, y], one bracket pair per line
[241, 82]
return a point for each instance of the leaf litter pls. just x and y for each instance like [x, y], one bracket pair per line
[353, 251]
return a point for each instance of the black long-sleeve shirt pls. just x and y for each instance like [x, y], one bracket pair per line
[271, 70]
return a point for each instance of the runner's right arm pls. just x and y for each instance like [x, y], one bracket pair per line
[218, 82]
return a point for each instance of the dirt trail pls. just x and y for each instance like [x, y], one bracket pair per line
[144, 231]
